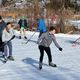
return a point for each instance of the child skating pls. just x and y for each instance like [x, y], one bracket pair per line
[44, 42]
[7, 34]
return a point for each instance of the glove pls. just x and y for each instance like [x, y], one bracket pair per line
[60, 49]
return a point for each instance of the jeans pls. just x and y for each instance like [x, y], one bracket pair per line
[8, 47]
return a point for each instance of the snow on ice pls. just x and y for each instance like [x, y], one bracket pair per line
[25, 66]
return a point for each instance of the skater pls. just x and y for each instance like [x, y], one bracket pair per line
[44, 42]
[7, 34]
[23, 25]
[41, 25]
[1, 48]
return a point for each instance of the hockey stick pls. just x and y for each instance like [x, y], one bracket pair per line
[30, 38]
[33, 41]
[75, 42]
[7, 41]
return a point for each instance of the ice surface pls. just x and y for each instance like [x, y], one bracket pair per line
[25, 66]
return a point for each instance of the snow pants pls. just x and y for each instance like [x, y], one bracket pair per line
[47, 50]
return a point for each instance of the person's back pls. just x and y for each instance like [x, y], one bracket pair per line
[2, 26]
[41, 25]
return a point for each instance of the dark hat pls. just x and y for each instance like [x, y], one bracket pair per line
[51, 28]
[8, 23]
[0, 17]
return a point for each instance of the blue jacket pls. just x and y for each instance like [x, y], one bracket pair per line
[41, 25]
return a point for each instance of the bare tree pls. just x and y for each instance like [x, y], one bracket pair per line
[58, 6]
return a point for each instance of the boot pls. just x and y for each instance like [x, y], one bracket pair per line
[19, 37]
[25, 37]
[3, 56]
[40, 65]
[5, 60]
[52, 64]
[10, 58]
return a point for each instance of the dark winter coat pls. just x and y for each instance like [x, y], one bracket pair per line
[20, 23]
[2, 26]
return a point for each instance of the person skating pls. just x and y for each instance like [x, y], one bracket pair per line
[44, 42]
[23, 25]
[2, 26]
[7, 34]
